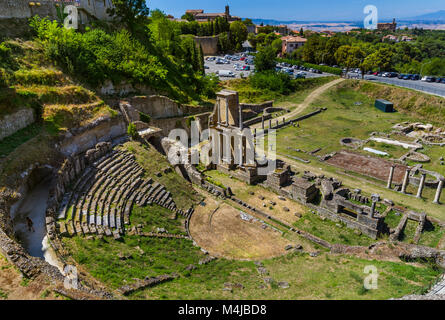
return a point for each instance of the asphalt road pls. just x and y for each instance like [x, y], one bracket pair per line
[428, 87]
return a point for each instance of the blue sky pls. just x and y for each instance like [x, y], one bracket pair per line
[303, 9]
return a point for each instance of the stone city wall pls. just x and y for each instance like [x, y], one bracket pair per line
[209, 45]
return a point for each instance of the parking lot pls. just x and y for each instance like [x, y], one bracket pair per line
[213, 67]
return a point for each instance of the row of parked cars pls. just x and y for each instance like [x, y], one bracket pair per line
[403, 76]
[295, 70]
[228, 59]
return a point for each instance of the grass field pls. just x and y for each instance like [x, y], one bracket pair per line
[350, 113]
[323, 277]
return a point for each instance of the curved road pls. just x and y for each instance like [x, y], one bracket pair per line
[302, 106]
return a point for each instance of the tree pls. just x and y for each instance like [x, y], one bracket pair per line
[301, 32]
[350, 57]
[265, 59]
[238, 34]
[380, 60]
[130, 12]
[248, 22]
[188, 16]
[277, 44]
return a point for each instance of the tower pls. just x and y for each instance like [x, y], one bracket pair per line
[227, 12]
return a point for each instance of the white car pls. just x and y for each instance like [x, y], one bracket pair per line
[226, 73]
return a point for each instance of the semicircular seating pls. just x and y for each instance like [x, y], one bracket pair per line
[101, 199]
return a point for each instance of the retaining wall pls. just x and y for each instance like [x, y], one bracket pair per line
[13, 122]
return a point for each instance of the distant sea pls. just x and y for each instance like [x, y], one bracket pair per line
[343, 26]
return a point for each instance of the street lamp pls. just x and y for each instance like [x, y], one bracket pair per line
[424, 64]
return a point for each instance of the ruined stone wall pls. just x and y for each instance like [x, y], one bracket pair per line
[12, 123]
[161, 107]
[47, 8]
[257, 107]
[209, 45]
[167, 125]
[81, 139]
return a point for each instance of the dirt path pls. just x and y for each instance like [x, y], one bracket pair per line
[14, 287]
[302, 106]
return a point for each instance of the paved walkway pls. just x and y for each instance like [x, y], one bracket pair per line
[302, 106]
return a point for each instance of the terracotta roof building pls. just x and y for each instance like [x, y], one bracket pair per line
[292, 43]
[201, 16]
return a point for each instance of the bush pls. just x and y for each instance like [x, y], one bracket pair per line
[3, 78]
[144, 117]
[265, 59]
[271, 80]
[327, 69]
[38, 77]
[132, 131]
[96, 56]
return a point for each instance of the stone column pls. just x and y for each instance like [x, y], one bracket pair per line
[270, 123]
[391, 176]
[373, 208]
[262, 122]
[438, 192]
[219, 113]
[240, 118]
[227, 112]
[406, 180]
[284, 120]
[421, 185]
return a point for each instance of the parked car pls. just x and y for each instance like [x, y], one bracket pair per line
[407, 77]
[429, 79]
[415, 77]
[246, 68]
[226, 73]
[439, 80]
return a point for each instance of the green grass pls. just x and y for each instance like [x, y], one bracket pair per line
[431, 235]
[342, 119]
[9, 144]
[324, 277]
[329, 231]
[155, 216]
[249, 94]
[161, 256]
[410, 230]
[3, 295]
[392, 220]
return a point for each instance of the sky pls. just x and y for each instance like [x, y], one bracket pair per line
[321, 10]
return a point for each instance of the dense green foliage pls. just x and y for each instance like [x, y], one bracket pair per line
[172, 65]
[131, 12]
[327, 69]
[265, 59]
[422, 52]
